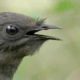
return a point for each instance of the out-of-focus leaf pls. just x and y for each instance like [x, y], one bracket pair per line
[63, 6]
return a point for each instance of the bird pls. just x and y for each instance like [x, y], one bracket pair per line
[19, 38]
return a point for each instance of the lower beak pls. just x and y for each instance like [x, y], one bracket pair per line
[45, 37]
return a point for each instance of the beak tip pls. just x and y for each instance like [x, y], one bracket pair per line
[53, 38]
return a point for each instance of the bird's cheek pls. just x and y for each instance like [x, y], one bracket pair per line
[24, 51]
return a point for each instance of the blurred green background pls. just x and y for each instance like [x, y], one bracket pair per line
[56, 60]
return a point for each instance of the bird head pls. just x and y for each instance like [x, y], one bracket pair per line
[18, 33]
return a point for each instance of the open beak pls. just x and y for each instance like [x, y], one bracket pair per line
[43, 27]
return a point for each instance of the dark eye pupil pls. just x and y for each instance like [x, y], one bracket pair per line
[12, 30]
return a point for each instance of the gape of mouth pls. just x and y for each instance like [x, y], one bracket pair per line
[32, 32]
[41, 36]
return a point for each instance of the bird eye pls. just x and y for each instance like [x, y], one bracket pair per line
[12, 29]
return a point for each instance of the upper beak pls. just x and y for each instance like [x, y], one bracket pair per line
[44, 27]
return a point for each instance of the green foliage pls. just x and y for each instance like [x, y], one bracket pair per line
[63, 6]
